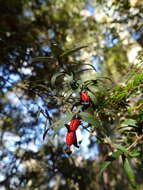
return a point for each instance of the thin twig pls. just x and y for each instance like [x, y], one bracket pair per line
[135, 143]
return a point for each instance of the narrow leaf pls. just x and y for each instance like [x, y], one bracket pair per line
[135, 153]
[68, 95]
[104, 165]
[129, 172]
[92, 96]
[45, 132]
[61, 122]
[87, 117]
[79, 63]
[58, 124]
[108, 161]
[130, 122]
[114, 155]
[122, 149]
[43, 59]
[69, 52]
[91, 82]
[54, 77]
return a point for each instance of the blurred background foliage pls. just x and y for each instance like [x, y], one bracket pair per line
[113, 33]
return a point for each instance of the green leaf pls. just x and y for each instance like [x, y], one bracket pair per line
[70, 78]
[54, 77]
[91, 82]
[129, 172]
[92, 96]
[68, 95]
[104, 165]
[69, 52]
[43, 59]
[61, 122]
[58, 74]
[122, 149]
[135, 153]
[89, 118]
[115, 155]
[130, 76]
[79, 63]
[128, 122]
[83, 70]
[137, 80]
[108, 161]
[91, 66]
[104, 78]
[121, 96]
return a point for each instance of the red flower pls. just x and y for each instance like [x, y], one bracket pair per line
[71, 139]
[84, 96]
[74, 124]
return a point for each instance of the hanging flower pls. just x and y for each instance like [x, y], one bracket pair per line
[84, 96]
[71, 139]
[74, 124]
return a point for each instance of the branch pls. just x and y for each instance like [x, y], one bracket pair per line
[135, 143]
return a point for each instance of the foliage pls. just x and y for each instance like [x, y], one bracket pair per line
[50, 52]
[120, 98]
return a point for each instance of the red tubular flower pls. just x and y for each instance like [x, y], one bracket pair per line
[84, 96]
[74, 124]
[70, 138]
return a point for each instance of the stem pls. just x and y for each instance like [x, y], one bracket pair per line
[135, 143]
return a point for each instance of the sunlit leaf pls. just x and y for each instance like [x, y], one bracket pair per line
[135, 153]
[91, 82]
[89, 118]
[130, 76]
[61, 122]
[69, 52]
[129, 172]
[92, 96]
[138, 79]
[122, 149]
[54, 77]
[57, 125]
[129, 122]
[83, 70]
[68, 95]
